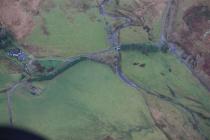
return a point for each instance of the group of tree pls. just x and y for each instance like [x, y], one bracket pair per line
[6, 38]
[144, 48]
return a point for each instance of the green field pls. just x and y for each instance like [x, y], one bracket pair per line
[133, 35]
[84, 105]
[162, 69]
[68, 31]
[7, 76]
[4, 119]
[164, 74]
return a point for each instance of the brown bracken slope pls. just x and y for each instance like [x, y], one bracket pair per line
[17, 15]
[191, 31]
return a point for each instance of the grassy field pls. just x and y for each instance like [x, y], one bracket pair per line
[65, 31]
[85, 105]
[5, 79]
[7, 76]
[4, 119]
[138, 35]
[161, 70]
[133, 35]
[164, 74]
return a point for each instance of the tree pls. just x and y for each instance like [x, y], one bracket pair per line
[6, 38]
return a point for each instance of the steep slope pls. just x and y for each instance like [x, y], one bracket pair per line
[190, 30]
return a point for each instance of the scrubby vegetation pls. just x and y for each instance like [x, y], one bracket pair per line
[6, 38]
